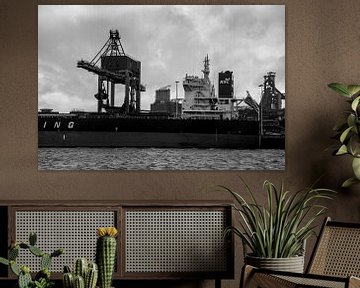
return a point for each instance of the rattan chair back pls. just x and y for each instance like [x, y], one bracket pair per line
[337, 252]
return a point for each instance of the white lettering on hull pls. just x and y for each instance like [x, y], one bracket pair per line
[57, 125]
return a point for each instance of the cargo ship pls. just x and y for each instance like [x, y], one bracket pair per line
[201, 120]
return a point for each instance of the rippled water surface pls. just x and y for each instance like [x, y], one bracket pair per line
[159, 159]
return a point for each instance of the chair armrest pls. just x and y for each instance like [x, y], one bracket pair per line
[252, 277]
[246, 273]
[354, 282]
[255, 277]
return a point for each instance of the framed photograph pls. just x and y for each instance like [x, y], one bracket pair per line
[161, 87]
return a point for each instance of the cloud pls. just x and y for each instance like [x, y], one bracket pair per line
[170, 41]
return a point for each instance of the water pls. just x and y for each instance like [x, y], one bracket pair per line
[159, 159]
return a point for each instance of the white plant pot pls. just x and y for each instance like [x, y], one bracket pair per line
[291, 264]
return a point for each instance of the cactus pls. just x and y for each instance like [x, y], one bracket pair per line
[36, 251]
[91, 276]
[4, 261]
[45, 261]
[68, 280]
[57, 253]
[24, 246]
[67, 269]
[79, 282]
[24, 280]
[88, 273]
[13, 253]
[42, 278]
[14, 268]
[105, 255]
[80, 267]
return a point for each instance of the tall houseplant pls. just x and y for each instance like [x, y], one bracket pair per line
[279, 229]
[349, 131]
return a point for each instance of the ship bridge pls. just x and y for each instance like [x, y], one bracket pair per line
[199, 94]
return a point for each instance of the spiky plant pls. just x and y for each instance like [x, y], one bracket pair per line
[106, 254]
[279, 229]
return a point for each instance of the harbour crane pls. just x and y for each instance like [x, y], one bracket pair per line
[115, 68]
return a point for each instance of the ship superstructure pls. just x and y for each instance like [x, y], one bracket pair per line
[226, 94]
[200, 101]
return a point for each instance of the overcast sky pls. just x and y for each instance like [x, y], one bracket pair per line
[170, 41]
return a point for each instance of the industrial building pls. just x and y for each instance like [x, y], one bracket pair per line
[163, 104]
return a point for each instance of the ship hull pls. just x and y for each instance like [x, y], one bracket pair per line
[104, 131]
[145, 139]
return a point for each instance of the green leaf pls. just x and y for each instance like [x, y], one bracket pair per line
[342, 150]
[14, 268]
[45, 261]
[349, 182]
[354, 143]
[356, 167]
[36, 251]
[340, 88]
[355, 103]
[4, 261]
[13, 253]
[351, 120]
[345, 134]
[353, 89]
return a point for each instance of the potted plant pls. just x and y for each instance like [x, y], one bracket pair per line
[348, 132]
[42, 278]
[106, 254]
[87, 274]
[84, 274]
[276, 233]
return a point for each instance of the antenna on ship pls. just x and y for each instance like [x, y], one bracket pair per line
[115, 68]
[206, 69]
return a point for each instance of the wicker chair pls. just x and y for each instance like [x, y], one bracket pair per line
[334, 263]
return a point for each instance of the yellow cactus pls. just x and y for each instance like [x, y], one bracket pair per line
[106, 231]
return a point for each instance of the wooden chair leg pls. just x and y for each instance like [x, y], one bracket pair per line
[217, 282]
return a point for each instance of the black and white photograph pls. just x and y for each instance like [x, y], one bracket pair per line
[161, 87]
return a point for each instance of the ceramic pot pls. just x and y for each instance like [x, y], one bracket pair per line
[291, 264]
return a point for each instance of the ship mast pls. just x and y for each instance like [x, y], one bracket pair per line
[206, 69]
